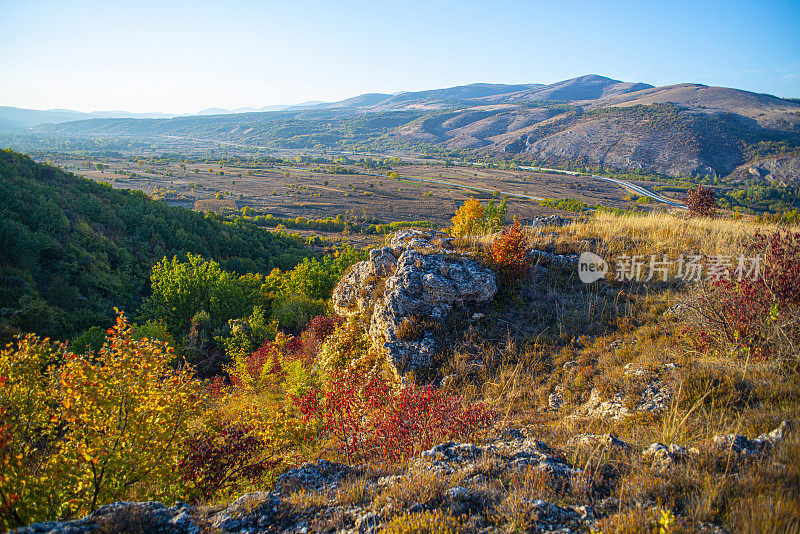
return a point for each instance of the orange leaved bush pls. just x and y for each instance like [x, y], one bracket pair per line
[80, 431]
[508, 254]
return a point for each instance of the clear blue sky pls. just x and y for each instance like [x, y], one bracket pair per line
[185, 56]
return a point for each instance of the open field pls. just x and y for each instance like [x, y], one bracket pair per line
[315, 191]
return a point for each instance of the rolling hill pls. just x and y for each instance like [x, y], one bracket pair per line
[684, 129]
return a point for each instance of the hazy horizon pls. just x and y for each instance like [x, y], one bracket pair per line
[181, 57]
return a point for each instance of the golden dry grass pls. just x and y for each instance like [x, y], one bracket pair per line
[652, 233]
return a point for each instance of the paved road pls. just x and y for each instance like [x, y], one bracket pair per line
[455, 184]
[622, 183]
[637, 188]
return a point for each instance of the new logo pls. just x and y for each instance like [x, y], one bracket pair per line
[591, 267]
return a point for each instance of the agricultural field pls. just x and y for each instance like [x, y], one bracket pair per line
[291, 188]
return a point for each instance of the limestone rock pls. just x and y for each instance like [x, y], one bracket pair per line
[323, 475]
[598, 408]
[664, 457]
[418, 277]
[516, 454]
[744, 446]
[609, 441]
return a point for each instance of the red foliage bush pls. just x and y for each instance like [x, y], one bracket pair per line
[701, 202]
[416, 419]
[760, 315]
[371, 420]
[304, 347]
[218, 461]
[508, 254]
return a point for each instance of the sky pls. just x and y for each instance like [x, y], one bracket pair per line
[181, 57]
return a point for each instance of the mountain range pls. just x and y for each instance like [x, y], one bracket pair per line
[683, 129]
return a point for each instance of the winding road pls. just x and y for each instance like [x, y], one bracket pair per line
[622, 183]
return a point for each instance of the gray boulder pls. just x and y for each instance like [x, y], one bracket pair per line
[408, 287]
[743, 446]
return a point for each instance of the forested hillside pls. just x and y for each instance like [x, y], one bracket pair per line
[72, 249]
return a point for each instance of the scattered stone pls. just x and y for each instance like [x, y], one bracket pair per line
[664, 457]
[322, 476]
[555, 400]
[633, 369]
[598, 408]
[744, 446]
[600, 440]
[550, 220]
[655, 398]
[449, 458]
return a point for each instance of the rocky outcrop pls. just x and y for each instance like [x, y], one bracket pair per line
[514, 454]
[663, 457]
[740, 445]
[407, 289]
[253, 512]
[464, 473]
[654, 397]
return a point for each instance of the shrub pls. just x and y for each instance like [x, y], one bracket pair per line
[247, 334]
[89, 341]
[82, 431]
[293, 311]
[367, 418]
[286, 357]
[468, 218]
[701, 202]
[435, 522]
[219, 460]
[508, 254]
[758, 317]
[261, 369]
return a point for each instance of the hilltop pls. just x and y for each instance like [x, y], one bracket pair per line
[476, 385]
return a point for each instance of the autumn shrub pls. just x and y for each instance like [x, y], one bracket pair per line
[508, 254]
[348, 344]
[757, 314]
[246, 334]
[86, 430]
[468, 219]
[285, 357]
[473, 218]
[293, 311]
[369, 419]
[219, 460]
[701, 202]
[261, 369]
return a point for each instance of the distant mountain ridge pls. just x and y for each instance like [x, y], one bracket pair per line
[590, 120]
